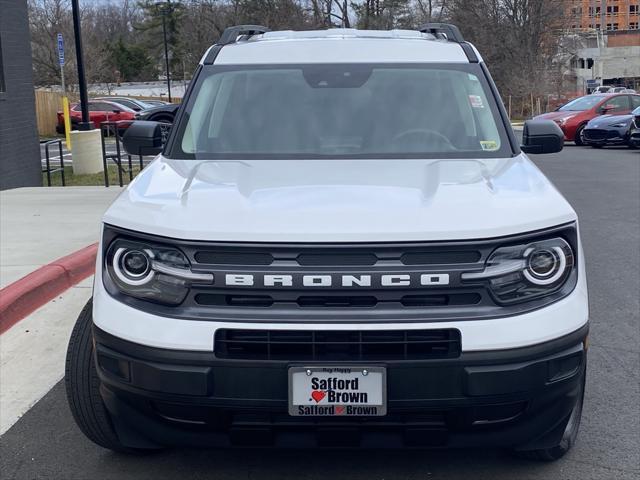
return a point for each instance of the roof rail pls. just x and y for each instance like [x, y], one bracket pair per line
[231, 34]
[451, 33]
[443, 30]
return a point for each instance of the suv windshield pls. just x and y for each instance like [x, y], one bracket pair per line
[581, 104]
[340, 111]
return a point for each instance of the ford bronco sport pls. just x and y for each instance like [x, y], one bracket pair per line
[340, 244]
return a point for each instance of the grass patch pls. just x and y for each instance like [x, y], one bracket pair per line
[94, 179]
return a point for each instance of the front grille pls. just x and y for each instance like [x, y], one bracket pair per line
[285, 282]
[357, 345]
[357, 260]
[596, 134]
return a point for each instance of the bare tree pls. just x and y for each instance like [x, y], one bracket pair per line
[102, 25]
[424, 11]
[518, 38]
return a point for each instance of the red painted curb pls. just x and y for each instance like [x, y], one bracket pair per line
[26, 295]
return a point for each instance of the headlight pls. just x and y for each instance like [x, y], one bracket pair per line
[153, 273]
[524, 272]
[562, 121]
[620, 125]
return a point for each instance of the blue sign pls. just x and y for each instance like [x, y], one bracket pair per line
[60, 50]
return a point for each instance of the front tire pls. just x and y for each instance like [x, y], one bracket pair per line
[579, 138]
[82, 385]
[568, 437]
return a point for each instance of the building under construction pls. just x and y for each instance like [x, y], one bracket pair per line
[607, 15]
[602, 43]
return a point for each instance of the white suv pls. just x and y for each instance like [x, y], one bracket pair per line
[341, 244]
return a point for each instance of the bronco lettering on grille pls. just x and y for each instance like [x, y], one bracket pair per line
[320, 280]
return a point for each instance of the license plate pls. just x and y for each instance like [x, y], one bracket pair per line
[337, 391]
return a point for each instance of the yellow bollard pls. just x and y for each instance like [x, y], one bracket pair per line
[67, 121]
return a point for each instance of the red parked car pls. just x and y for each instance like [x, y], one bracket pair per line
[574, 116]
[99, 111]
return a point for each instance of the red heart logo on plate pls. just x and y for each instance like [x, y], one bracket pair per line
[340, 410]
[318, 395]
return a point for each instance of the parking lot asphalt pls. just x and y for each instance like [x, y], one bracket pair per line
[604, 188]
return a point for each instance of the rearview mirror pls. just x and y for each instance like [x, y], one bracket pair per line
[144, 138]
[542, 136]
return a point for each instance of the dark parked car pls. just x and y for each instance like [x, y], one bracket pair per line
[163, 113]
[634, 134]
[156, 103]
[132, 103]
[608, 130]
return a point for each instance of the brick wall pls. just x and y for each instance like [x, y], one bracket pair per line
[624, 39]
[19, 147]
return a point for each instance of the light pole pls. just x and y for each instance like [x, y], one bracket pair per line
[82, 82]
[165, 8]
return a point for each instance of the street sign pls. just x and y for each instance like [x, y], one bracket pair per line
[60, 50]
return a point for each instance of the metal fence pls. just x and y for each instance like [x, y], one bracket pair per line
[48, 169]
[116, 129]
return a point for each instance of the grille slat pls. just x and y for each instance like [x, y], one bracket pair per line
[338, 300]
[295, 345]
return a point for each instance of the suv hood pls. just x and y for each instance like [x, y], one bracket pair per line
[339, 200]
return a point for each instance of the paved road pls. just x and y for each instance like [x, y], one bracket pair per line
[604, 187]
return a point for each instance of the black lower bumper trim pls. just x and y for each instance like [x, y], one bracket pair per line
[502, 398]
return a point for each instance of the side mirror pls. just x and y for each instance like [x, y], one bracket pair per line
[607, 108]
[143, 138]
[116, 110]
[542, 136]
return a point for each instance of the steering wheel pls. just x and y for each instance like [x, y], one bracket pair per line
[425, 132]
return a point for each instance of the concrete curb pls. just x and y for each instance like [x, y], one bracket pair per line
[26, 295]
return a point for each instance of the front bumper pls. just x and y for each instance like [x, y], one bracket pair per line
[596, 136]
[510, 398]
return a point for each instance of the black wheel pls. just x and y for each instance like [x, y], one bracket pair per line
[82, 384]
[568, 437]
[579, 139]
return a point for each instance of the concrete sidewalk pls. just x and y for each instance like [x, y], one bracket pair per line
[32, 352]
[38, 226]
[41, 224]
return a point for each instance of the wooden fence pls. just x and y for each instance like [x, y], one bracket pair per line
[48, 104]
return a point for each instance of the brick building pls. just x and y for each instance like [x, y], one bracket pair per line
[19, 147]
[607, 15]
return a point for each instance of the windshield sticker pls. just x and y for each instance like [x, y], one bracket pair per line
[489, 145]
[476, 101]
